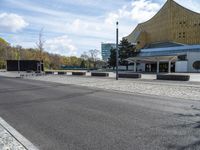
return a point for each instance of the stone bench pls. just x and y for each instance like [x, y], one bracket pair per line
[173, 77]
[100, 74]
[79, 73]
[130, 75]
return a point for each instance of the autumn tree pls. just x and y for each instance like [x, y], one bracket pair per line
[4, 47]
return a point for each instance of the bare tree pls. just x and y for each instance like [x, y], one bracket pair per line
[40, 44]
[18, 52]
[40, 47]
[93, 54]
[85, 63]
[85, 56]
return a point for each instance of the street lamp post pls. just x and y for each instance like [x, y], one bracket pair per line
[117, 51]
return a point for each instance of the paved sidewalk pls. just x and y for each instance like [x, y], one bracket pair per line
[8, 142]
[10, 139]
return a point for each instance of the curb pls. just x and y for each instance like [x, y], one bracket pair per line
[15, 134]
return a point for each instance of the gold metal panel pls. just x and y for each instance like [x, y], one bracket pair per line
[173, 23]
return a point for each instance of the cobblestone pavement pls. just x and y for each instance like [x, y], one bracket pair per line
[186, 90]
[8, 142]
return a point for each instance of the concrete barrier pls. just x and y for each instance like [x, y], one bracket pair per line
[62, 73]
[49, 72]
[79, 73]
[173, 77]
[100, 74]
[130, 75]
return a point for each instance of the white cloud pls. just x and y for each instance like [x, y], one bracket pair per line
[12, 22]
[61, 45]
[112, 18]
[77, 25]
[143, 10]
[138, 11]
[84, 26]
[193, 5]
[87, 31]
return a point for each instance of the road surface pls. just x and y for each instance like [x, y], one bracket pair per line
[55, 116]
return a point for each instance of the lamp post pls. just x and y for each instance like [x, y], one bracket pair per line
[117, 51]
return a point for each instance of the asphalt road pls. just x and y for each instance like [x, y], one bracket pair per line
[66, 117]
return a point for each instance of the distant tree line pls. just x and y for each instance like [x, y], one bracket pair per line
[87, 60]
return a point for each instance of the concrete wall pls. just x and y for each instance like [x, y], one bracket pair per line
[141, 67]
[181, 66]
[130, 67]
[192, 57]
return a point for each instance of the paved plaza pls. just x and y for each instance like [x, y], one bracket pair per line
[185, 90]
[147, 85]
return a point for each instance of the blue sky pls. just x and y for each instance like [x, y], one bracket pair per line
[71, 27]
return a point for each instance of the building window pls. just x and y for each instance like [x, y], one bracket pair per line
[182, 57]
[181, 34]
[182, 22]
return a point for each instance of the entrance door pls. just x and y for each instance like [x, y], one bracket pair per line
[163, 67]
[150, 67]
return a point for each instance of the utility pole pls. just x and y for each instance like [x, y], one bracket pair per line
[117, 51]
[6, 60]
[19, 59]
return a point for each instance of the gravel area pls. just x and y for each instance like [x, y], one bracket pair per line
[184, 90]
[8, 142]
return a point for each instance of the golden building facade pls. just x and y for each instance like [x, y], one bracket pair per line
[173, 23]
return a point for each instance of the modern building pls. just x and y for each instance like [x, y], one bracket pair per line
[105, 50]
[169, 41]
